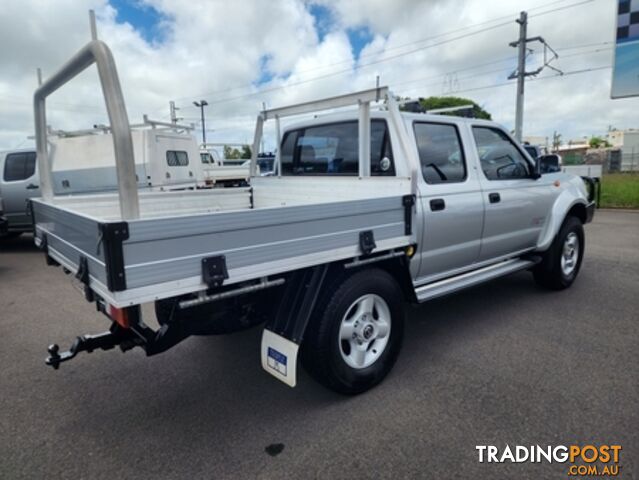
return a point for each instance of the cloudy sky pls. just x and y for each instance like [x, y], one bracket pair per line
[237, 55]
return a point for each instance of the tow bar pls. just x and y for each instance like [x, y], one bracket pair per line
[137, 334]
[87, 343]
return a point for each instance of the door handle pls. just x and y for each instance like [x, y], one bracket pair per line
[32, 186]
[437, 204]
[494, 197]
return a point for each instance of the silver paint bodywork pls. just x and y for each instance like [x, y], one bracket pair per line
[473, 233]
[281, 224]
[304, 221]
[294, 223]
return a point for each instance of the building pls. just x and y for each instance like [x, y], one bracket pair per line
[628, 142]
[573, 152]
[537, 140]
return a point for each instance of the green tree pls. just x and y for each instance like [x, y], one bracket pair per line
[231, 153]
[246, 151]
[556, 141]
[432, 103]
[598, 142]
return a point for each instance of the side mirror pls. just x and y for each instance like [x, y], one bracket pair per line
[549, 163]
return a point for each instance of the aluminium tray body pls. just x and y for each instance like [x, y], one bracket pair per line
[143, 260]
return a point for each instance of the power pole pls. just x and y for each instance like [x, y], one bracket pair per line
[201, 104]
[520, 73]
[173, 110]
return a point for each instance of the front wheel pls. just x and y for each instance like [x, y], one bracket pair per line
[356, 332]
[561, 263]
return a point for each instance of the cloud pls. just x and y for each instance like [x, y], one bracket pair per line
[237, 55]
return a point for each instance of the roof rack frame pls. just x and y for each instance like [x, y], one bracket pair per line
[362, 99]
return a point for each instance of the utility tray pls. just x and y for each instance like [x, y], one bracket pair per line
[190, 241]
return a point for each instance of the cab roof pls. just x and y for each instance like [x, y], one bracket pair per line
[408, 117]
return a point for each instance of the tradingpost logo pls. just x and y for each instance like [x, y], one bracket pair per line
[583, 460]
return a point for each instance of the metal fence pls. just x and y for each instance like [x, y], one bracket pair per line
[573, 158]
[610, 160]
[629, 162]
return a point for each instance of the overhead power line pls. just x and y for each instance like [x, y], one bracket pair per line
[476, 66]
[348, 70]
[546, 77]
[392, 57]
[89, 108]
[71, 107]
[468, 77]
[443, 34]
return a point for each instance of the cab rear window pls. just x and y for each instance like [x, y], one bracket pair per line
[333, 149]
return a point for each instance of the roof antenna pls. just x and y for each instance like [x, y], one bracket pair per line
[94, 29]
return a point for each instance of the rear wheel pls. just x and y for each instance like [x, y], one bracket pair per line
[562, 261]
[355, 335]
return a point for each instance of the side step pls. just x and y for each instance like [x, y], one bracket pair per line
[465, 280]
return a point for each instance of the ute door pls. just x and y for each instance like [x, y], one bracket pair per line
[20, 182]
[516, 203]
[450, 199]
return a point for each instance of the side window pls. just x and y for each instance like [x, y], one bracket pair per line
[333, 149]
[205, 157]
[19, 166]
[177, 158]
[500, 158]
[440, 153]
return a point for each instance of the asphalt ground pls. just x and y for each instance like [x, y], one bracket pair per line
[503, 363]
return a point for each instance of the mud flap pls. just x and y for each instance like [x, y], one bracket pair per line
[279, 357]
[284, 333]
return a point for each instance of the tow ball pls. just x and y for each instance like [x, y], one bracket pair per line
[138, 334]
[88, 343]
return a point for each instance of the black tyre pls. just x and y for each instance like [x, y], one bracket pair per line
[561, 262]
[356, 332]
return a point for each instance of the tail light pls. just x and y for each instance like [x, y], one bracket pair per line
[119, 316]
